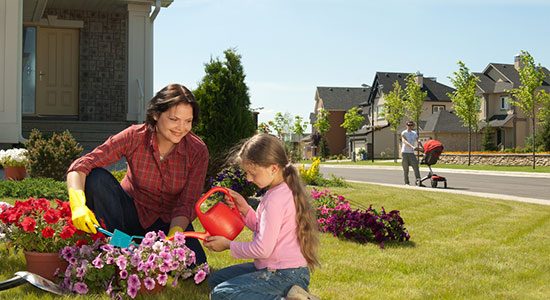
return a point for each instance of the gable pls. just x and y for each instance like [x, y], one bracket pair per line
[341, 98]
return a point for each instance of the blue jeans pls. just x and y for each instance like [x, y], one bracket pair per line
[110, 203]
[244, 281]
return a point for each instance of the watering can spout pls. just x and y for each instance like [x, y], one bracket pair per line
[219, 219]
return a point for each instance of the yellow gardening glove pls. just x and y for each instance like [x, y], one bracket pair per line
[83, 217]
[173, 231]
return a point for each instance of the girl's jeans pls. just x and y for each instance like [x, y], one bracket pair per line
[244, 281]
[110, 203]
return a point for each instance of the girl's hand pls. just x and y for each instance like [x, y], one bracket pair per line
[242, 205]
[216, 243]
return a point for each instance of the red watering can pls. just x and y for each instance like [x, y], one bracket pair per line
[219, 219]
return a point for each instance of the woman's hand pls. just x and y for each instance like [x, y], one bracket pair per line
[216, 243]
[242, 205]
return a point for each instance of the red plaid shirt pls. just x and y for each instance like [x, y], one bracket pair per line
[160, 189]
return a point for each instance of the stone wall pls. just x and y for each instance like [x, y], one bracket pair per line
[103, 69]
[495, 159]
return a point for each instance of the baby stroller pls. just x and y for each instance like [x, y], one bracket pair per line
[432, 150]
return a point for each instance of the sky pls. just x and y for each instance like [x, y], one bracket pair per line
[290, 47]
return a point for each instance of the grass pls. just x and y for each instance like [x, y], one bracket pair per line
[461, 247]
[538, 169]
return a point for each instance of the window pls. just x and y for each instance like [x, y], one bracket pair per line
[504, 102]
[437, 108]
[379, 110]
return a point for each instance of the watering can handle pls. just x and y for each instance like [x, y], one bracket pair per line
[212, 191]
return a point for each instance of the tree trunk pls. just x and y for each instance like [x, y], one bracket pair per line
[534, 137]
[469, 143]
[395, 147]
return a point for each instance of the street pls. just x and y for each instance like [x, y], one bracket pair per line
[519, 186]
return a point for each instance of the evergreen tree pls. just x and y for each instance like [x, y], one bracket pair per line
[488, 142]
[224, 102]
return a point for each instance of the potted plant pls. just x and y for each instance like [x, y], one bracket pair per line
[13, 161]
[128, 272]
[362, 153]
[41, 229]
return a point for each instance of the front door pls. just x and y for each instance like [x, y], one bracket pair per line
[57, 71]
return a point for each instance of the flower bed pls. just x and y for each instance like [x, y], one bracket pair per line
[335, 215]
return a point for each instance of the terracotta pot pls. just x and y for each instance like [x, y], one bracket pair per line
[15, 173]
[45, 264]
[144, 291]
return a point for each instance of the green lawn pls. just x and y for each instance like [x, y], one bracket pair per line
[461, 247]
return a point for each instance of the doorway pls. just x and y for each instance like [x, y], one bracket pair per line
[50, 71]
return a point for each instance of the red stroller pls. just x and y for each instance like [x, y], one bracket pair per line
[432, 150]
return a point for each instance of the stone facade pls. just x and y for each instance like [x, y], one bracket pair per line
[495, 159]
[103, 63]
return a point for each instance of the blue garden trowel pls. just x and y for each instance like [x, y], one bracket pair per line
[119, 238]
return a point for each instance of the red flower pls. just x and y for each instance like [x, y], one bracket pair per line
[81, 242]
[67, 232]
[47, 232]
[28, 224]
[51, 216]
[42, 203]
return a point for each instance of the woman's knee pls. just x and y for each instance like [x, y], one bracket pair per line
[97, 178]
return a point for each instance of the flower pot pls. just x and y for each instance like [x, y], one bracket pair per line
[144, 291]
[45, 264]
[15, 173]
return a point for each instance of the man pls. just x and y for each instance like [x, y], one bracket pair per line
[409, 139]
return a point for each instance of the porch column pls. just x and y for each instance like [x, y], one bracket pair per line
[140, 60]
[11, 32]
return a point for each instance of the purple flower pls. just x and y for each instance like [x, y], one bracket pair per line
[199, 277]
[147, 242]
[135, 260]
[161, 235]
[80, 272]
[151, 235]
[123, 274]
[132, 291]
[161, 279]
[149, 283]
[165, 267]
[98, 262]
[80, 288]
[179, 239]
[133, 280]
[121, 262]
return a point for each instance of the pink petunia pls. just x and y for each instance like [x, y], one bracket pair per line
[199, 277]
[162, 278]
[80, 288]
[149, 283]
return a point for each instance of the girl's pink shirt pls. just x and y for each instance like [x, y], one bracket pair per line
[275, 242]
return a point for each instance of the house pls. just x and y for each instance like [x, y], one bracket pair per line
[337, 101]
[384, 141]
[510, 124]
[82, 65]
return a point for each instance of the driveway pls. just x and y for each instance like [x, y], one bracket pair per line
[518, 186]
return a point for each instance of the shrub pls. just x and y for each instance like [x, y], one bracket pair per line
[335, 215]
[34, 187]
[333, 181]
[119, 175]
[308, 175]
[235, 179]
[51, 157]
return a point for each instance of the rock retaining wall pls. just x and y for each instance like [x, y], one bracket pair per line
[495, 159]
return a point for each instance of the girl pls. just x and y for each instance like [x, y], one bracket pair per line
[285, 238]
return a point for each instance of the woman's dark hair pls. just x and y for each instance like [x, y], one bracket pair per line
[171, 95]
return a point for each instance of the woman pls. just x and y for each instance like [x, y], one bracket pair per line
[167, 165]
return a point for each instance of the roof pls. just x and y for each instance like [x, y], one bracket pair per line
[436, 91]
[500, 120]
[342, 98]
[509, 79]
[444, 121]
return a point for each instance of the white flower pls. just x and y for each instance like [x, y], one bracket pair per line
[13, 157]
